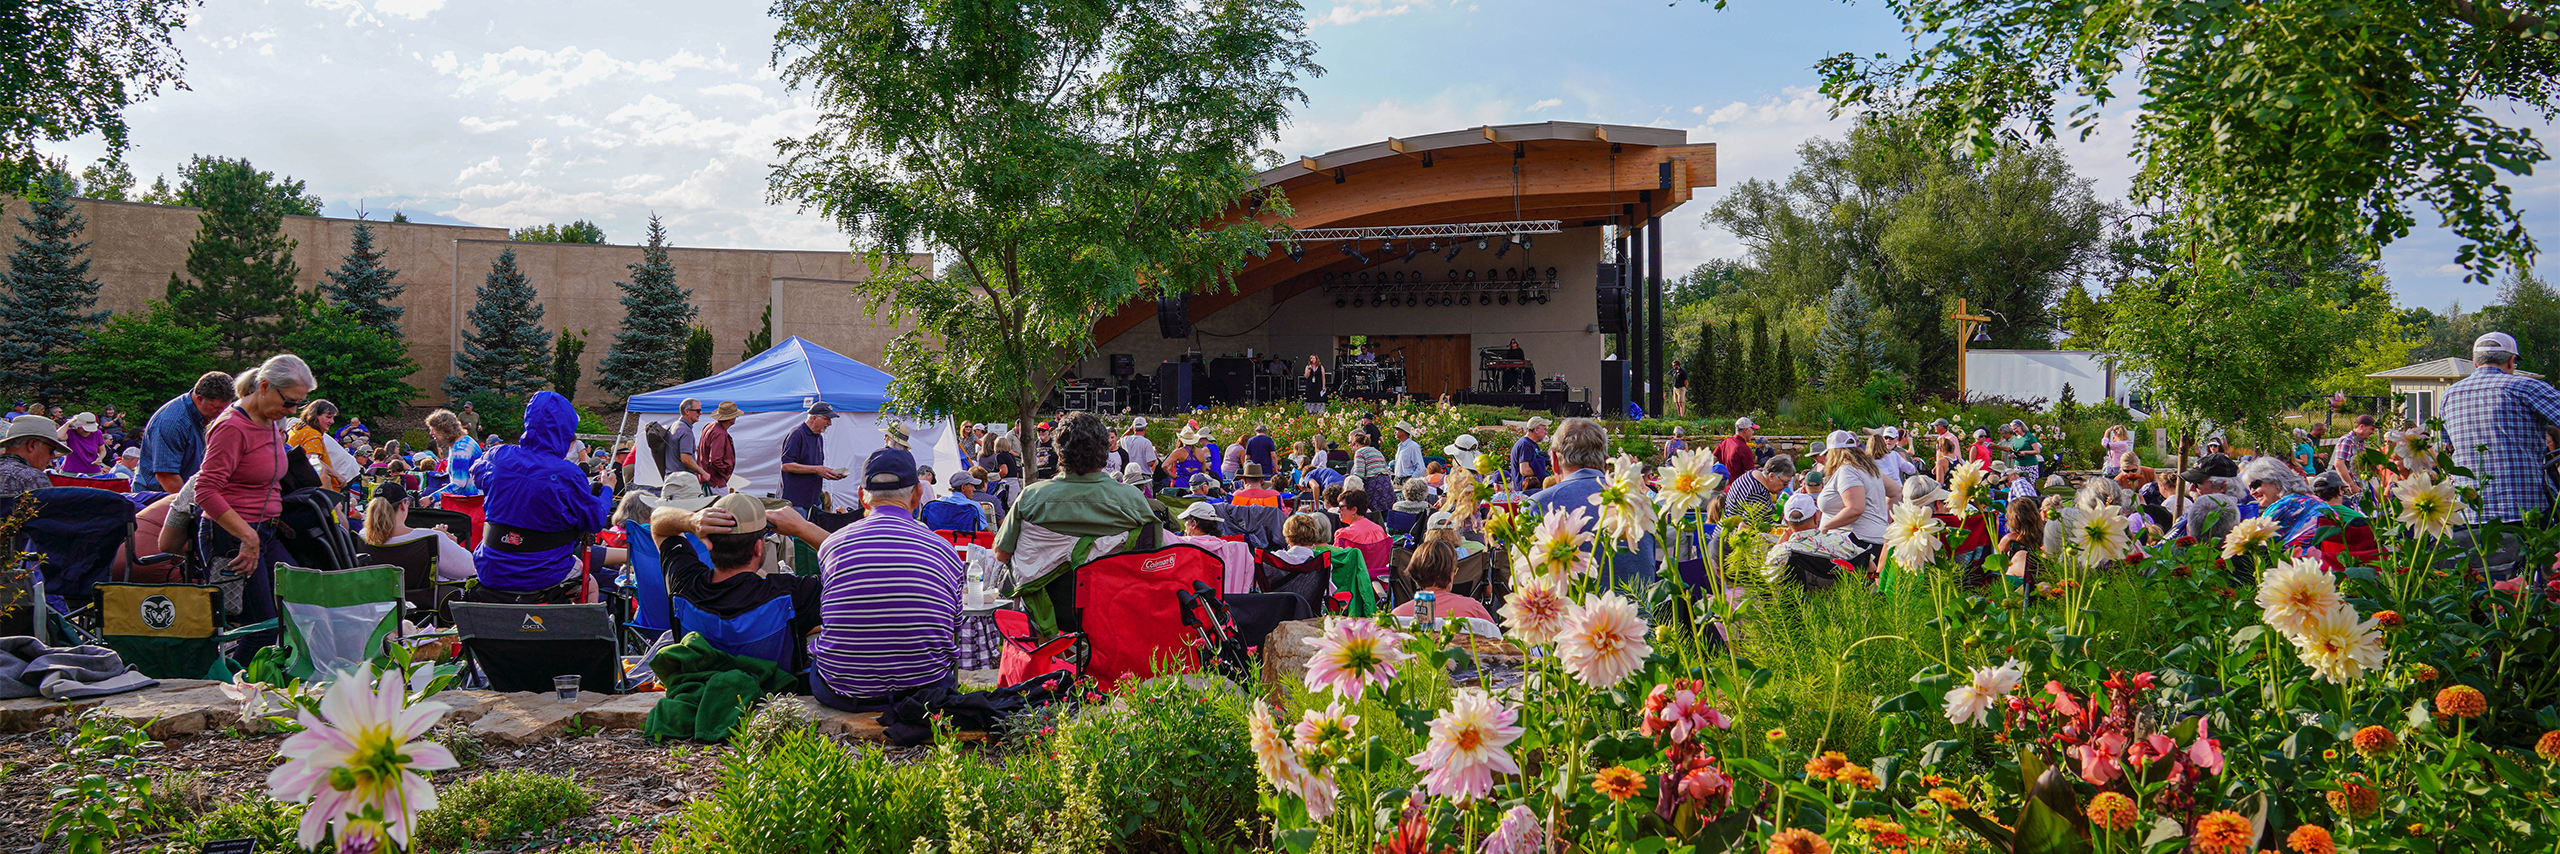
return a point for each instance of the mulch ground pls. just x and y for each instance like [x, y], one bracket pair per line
[637, 783]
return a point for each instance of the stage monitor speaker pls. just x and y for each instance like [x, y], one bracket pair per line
[1266, 388]
[1555, 400]
[1173, 317]
[1123, 364]
[1613, 387]
[1173, 387]
[1231, 380]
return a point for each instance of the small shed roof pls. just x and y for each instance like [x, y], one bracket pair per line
[2447, 368]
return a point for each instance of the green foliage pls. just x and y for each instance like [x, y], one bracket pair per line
[1849, 349]
[1098, 139]
[1166, 769]
[362, 370]
[697, 355]
[657, 317]
[272, 823]
[580, 231]
[1760, 380]
[566, 370]
[74, 66]
[45, 299]
[1706, 370]
[2239, 345]
[506, 343]
[240, 272]
[364, 287]
[1785, 373]
[2528, 309]
[760, 340]
[109, 179]
[112, 796]
[2294, 128]
[2083, 320]
[139, 359]
[500, 805]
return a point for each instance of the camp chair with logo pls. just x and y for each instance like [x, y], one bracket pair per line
[521, 647]
[1132, 606]
[336, 619]
[763, 632]
[169, 631]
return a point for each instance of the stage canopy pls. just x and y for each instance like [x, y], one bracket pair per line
[775, 388]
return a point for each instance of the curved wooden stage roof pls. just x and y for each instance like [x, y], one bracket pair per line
[1572, 171]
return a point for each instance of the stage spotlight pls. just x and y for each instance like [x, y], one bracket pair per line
[1525, 242]
[1505, 250]
[1297, 251]
[1357, 302]
[1506, 299]
[1551, 275]
[1492, 275]
[1454, 248]
[1480, 243]
[1328, 278]
[1453, 275]
[1471, 275]
[1464, 299]
[1542, 297]
[1399, 276]
[1386, 247]
[1348, 249]
[1364, 277]
[1339, 302]
[1411, 250]
[1511, 273]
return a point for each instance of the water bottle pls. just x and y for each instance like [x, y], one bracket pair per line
[1426, 609]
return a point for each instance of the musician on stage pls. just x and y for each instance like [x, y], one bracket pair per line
[1312, 382]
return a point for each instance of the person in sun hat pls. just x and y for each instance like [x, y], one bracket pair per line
[1186, 458]
[716, 452]
[1408, 463]
[27, 449]
[88, 444]
[1462, 451]
[889, 606]
[1253, 488]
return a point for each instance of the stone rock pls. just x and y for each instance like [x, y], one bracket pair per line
[524, 717]
[463, 707]
[861, 726]
[28, 714]
[628, 711]
[164, 713]
[1285, 654]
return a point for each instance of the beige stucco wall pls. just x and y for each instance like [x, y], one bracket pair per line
[135, 247]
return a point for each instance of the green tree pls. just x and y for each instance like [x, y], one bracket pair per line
[761, 340]
[45, 298]
[364, 287]
[566, 371]
[1064, 163]
[1786, 370]
[697, 355]
[141, 358]
[1849, 350]
[656, 318]
[505, 344]
[2083, 321]
[580, 231]
[367, 372]
[2528, 309]
[240, 270]
[72, 67]
[1705, 371]
[1916, 225]
[1760, 394]
[109, 179]
[1736, 384]
[2301, 127]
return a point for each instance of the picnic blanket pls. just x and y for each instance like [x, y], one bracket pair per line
[708, 691]
[29, 668]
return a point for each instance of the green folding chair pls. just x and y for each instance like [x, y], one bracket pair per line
[169, 631]
[336, 619]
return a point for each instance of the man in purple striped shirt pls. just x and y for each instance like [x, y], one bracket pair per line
[891, 600]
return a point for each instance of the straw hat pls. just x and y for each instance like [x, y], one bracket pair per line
[1189, 436]
[728, 411]
[1922, 489]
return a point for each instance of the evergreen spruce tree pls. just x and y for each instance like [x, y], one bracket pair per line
[657, 317]
[240, 270]
[565, 369]
[1763, 374]
[506, 344]
[45, 299]
[1848, 349]
[759, 342]
[364, 287]
[697, 354]
[1709, 372]
[1786, 368]
[1737, 364]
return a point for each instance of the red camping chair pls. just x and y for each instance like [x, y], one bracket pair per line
[1133, 614]
[467, 505]
[108, 482]
[1026, 657]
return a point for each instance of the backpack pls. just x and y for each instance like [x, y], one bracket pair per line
[657, 436]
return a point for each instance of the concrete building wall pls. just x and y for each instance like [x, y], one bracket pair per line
[135, 247]
[1557, 336]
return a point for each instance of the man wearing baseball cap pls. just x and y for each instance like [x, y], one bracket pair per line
[958, 509]
[733, 529]
[2212, 510]
[890, 603]
[1735, 451]
[804, 460]
[1529, 460]
[2493, 419]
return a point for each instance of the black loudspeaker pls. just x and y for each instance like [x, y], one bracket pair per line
[1123, 364]
[1613, 387]
[1173, 317]
[1231, 380]
[1266, 388]
[1173, 387]
[1078, 399]
[1613, 301]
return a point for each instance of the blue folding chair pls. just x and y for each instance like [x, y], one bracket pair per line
[764, 632]
[655, 614]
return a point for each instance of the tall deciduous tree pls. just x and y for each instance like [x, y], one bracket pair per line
[580, 231]
[1061, 161]
[657, 317]
[2301, 127]
[45, 298]
[140, 359]
[506, 346]
[2528, 309]
[71, 67]
[566, 370]
[365, 288]
[240, 270]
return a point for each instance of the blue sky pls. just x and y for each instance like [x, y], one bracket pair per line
[515, 114]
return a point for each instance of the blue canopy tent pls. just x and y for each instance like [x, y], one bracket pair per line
[775, 388]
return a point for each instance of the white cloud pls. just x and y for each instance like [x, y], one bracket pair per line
[531, 74]
[476, 124]
[1346, 12]
[1545, 104]
[410, 9]
[485, 167]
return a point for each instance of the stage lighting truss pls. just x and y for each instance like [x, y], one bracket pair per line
[1522, 286]
[1510, 232]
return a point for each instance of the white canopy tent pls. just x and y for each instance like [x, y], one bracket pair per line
[775, 388]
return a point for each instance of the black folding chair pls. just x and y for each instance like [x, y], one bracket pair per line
[523, 647]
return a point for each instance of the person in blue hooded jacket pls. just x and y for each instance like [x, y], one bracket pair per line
[541, 510]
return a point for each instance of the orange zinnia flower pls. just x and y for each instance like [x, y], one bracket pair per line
[2311, 839]
[2224, 832]
[2354, 799]
[1950, 798]
[1798, 841]
[1859, 776]
[2462, 701]
[2548, 747]
[1618, 782]
[1827, 765]
[2113, 811]
[2376, 740]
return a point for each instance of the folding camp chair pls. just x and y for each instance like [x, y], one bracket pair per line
[336, 619]
[522, 647]
[654, 611]
[1311, 579]
[762, 632]
[76, 535]
[1131, 610]
[315, 530]
[417, 559]
[1026, 656]
[169, 631]
[108, 482]
[470, 508]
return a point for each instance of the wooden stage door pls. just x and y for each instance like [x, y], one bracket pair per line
[1434, 364]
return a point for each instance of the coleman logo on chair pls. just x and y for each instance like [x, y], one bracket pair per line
[512, 538]
[532, 623]
[159, 613]
[1158, 564]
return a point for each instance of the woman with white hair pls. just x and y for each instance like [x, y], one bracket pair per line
[245, 457]
[2285, 498]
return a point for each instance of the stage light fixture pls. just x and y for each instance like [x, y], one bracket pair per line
[1454, 248]
[1481, 244]
[1492, 275]
[1353, 251]
[1297, 252]
[1524, 240]
[1410, 250]
[1505, 250]
[1464, 299]
[1551, 275]
[1339, 302]
[1542, 298]
[1453, 275]
[1364, 277]
[1356, 302]
[1511, 273]
[1471, 275]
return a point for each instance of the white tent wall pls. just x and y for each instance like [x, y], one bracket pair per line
[758, 437]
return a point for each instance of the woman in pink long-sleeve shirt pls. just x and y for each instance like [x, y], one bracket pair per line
[244, 458]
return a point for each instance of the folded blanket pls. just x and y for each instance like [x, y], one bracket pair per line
[29, 668]
[708, 691]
